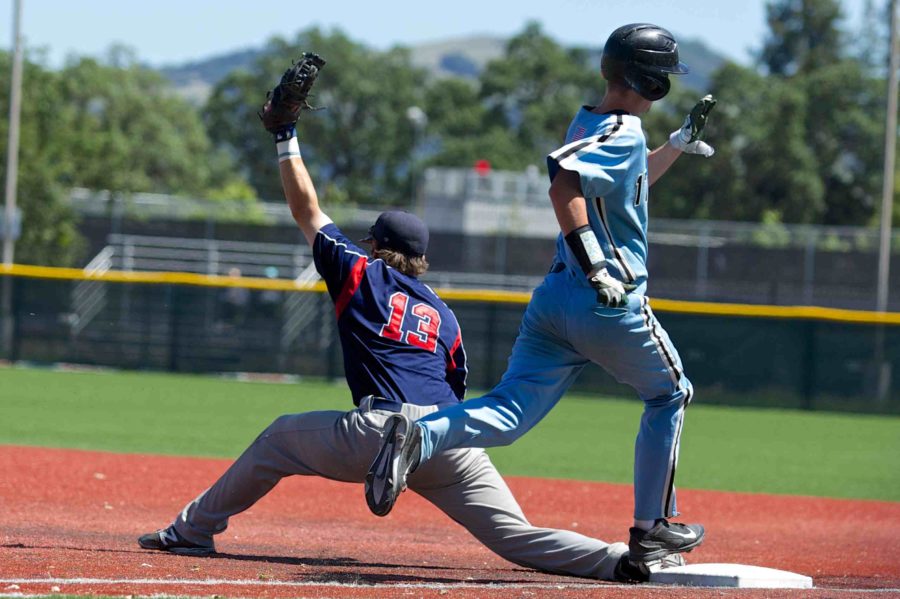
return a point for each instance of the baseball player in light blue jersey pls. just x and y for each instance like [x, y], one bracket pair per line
[592, 306]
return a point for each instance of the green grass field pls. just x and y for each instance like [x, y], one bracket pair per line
[735, 449]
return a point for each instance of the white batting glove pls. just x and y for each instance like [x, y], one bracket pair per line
[687, 139]
[610, 291]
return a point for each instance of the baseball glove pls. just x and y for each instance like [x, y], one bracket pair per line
[289, 98]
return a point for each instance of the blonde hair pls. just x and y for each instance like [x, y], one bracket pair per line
[413, 266]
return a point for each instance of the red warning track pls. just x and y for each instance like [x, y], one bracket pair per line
[69, 520]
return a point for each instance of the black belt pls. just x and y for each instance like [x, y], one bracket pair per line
[382, 403]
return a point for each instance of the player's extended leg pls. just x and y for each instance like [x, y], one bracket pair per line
[633, 347]
[335, 445]
[464, 484]
[541, 367]
[540, 370]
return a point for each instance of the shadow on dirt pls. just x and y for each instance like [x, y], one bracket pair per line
[330, 568]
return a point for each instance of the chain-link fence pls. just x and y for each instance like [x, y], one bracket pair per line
[796, 363]
[501, 226]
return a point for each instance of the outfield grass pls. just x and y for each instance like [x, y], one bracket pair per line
[737, 449]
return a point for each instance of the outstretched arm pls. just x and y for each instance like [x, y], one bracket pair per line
[660, 159]
[686, 139]
[299, 190]
[279, 116]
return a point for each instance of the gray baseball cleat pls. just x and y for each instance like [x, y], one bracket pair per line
[663, 539]
[168, 539]
[398, 456]
[630, 572]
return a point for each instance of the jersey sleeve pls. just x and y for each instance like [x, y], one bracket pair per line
[601, 162]
[457, 369]
[338, 260]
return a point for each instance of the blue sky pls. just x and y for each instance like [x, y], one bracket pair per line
[173, 31]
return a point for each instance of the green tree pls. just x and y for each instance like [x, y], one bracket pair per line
[107, 126]
[803, 36]
[461, 125]
[845, 126]
[799, 145]
[49, 227]
[49, 235]
[533, 91]
[361, 142]
[519, 108]
[119, 128]
[844, 100]
[871, 40]
[763, 163]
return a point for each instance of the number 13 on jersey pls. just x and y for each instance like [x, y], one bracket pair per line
[426, 329]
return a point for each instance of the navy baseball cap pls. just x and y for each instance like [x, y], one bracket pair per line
[400, 231]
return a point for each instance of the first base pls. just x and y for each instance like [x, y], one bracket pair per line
[731, 575]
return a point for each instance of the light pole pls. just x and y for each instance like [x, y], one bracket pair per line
[887, 188]
[12, 154]
[883, 367]
[12, 165]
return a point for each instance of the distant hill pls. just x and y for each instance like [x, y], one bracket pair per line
[194, 80]
[457, 57]
[702, 59]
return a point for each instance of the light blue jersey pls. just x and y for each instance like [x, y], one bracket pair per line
[565, 328]
[609, 153]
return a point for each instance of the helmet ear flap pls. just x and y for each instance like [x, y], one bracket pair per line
[648, 84]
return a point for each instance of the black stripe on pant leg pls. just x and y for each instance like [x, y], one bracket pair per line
[666, 360]
[670, 476]
[660, 342]
[670, 492]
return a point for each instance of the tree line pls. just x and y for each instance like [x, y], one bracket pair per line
[798, 134]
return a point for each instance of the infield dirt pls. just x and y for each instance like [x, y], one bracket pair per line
[69, 521]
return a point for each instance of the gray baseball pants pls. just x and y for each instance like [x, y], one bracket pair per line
[462, 483]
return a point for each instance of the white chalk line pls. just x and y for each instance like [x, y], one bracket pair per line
[303, 583]
[353, 585]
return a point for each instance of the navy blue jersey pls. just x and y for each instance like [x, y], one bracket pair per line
[400, 340]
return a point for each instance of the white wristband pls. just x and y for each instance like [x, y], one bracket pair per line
[591, 246]
[288, 149]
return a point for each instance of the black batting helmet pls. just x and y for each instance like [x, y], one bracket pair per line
[642, 56]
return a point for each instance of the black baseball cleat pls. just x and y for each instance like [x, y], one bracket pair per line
[630, 572]
[664, 538]
[398, 456]
[168, 539]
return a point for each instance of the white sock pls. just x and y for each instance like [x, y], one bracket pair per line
[644, 524]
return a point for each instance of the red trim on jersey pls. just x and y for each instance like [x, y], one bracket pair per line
[350, 286]
[451, 365]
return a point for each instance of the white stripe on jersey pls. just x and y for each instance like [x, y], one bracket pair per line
[336, 242]
[575, 150]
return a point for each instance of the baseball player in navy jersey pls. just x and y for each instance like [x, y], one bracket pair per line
[592, 306]
[403, 354]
